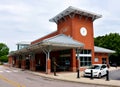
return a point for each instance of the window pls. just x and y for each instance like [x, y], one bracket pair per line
[85, 51]
[20, 46]
[85, 61]
[96, 60]
[104, 60]
[103, 66]
[85, 57]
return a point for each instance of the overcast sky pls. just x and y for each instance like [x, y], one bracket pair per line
[27, 20]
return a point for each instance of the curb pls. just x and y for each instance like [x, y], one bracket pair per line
[54, 78]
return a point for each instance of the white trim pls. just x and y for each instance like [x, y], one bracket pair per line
[85, 55]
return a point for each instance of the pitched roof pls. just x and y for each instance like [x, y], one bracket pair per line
[62, 40]
[102, 50]
[71, 9]
[58, 42]
[24, 42]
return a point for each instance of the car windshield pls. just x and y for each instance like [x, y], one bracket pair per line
[95, 67]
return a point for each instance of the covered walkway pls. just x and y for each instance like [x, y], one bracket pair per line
[44, 51]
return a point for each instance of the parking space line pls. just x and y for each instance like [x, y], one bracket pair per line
[15, 84]
[8, 71]
[1, 71]
[15, 70]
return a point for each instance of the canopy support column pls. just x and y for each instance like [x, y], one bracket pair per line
[17, 61]
[48, 63]
[32, 61]
[47, 51]
[23, 61]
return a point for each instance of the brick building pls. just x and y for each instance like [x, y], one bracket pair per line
[71, 46]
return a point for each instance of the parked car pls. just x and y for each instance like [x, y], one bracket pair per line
[113, 65]
[99, 70]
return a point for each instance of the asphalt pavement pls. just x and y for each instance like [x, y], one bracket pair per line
[18, 78]
[115, 75]
[14, 77]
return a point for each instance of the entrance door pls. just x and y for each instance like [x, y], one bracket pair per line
[64, 63]
[20, 61]
[104, 60]
[27, 64]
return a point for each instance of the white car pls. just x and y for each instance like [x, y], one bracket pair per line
[98, 70]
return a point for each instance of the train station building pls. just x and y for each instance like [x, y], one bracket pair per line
[70, 46]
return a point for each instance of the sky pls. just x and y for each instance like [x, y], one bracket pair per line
[28, 20]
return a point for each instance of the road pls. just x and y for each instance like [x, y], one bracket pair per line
[17, 78]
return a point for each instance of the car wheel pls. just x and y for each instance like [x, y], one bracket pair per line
[99, 76]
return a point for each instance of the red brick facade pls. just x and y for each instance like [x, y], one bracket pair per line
[100, 56]
[10, 59]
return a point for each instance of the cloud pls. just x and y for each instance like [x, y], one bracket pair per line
[17, 9]
[22, 20]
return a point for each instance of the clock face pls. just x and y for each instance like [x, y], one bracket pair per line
[83, 31]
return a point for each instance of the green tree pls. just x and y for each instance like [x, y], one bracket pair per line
[110, 41]
[4, 50]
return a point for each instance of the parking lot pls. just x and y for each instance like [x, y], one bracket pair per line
[115, 75]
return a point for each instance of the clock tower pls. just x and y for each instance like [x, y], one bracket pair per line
[78, 24]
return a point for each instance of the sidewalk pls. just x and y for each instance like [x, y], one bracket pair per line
[72, 77]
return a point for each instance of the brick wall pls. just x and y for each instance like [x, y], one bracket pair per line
[100, 56]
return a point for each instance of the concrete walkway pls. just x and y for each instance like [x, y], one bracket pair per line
[72, 77]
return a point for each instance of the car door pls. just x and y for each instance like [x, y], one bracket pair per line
[103, 69]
